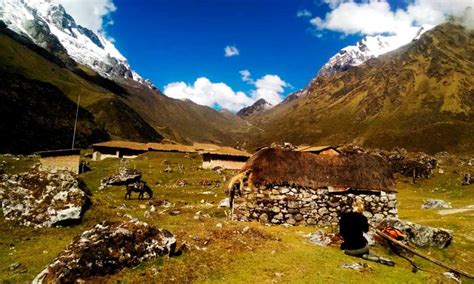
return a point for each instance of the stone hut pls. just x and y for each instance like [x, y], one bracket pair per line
[118, 149]
[225, 157]
[68, 159]
[320, 150]
[281, 186]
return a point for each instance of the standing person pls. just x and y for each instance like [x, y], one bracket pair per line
[352, 227]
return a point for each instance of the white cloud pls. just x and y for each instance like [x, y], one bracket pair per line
[270, 88]
[303, 14]
[92, 14]
[376, 16]
[230, 51]
[246, 76]
[205, 92]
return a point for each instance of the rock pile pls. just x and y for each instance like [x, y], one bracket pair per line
[294, 205]
[435, 203]
[107, 248]
[324, 239]
[422, 236]
[467, 179]
[44, 198]
[124, 176]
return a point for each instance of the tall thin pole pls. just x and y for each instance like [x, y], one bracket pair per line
[75, 122]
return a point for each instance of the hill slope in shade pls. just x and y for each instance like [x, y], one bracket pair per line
[420, 96]
[31, 123]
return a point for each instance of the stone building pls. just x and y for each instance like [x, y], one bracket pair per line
[68, 159]
[225, 157]
[118, 149]
[281, 186]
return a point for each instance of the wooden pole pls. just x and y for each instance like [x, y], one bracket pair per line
[433, 260]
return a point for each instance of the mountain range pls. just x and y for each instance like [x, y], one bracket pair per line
[416, 92]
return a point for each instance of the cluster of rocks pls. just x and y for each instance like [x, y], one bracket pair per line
[124, 176]
[420, 235]
[293, 205]
[417, 165]
[435, 204]
[107, 248]
[44, 198]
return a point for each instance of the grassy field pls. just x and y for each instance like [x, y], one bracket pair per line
[221, 250]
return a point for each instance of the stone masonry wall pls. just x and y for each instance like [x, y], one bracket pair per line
[293, 205]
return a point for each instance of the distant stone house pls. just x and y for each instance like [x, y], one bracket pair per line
[281, 186]
[205, 146]
[118, 149]
[320, 150]
[68, 159]
[225, 157]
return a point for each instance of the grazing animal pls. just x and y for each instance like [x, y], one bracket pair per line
[140, 187]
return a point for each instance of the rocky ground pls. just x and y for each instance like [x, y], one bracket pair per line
[185, 202]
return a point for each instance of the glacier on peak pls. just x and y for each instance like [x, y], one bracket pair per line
[48, 24]
[367, 48]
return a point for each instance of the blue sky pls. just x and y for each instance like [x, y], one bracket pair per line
[170, 41]
[179, 44]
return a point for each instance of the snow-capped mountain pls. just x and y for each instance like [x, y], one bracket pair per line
[367, 48]
[259, 106]
[48, 25]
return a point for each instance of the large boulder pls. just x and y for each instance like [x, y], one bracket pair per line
[44, 198]
[422, 236]
[123, 177]
[107, 248]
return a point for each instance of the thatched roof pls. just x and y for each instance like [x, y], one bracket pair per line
[171, 148]
[205, 146]
[316, 149]
[338, 173]
[227, 151]
[123, 145]
[58, 153]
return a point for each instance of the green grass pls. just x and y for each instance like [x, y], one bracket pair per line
[228, 254]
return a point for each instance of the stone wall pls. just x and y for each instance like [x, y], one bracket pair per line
[293, 205]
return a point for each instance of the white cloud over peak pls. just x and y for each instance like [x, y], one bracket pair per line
[377, 17]
[270, 88]
[205, 92]
[303, 14]
[92, 14]
[230, 51]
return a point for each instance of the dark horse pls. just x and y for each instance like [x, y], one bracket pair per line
[140, 187]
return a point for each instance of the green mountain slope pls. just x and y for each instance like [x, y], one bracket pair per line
[420, 97]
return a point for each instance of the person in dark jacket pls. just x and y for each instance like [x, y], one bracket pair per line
[352, 227]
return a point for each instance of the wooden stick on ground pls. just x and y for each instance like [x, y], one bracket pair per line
[433, 260]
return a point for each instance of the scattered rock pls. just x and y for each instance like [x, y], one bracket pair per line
[218, 170]
[422, 236]
[107, 248]
[356, 266]
[435, 203]
[219, 225]
[182, 183]
[453, 276]
[174, 212]
[467, 179]
[44, 198]
[168, 170]
[125, 176]
[224, 203]
[323, 239]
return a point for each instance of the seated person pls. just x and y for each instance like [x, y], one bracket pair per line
[352, 227]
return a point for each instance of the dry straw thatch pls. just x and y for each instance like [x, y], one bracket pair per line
[277, 166]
